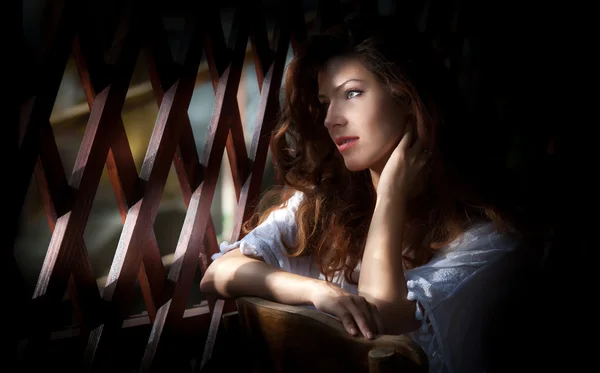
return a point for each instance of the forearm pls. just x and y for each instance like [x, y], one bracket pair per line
[381, 274]
[382, 281]
[237, 275]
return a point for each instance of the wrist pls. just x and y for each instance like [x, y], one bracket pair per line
[314, 287]
[390, 196]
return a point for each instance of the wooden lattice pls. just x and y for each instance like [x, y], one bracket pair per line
[105, 64]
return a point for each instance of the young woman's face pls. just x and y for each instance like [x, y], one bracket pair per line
[363, 119]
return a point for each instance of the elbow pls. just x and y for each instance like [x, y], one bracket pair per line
[402, 326]
[398, 318]
[208, 283]
[229, 276]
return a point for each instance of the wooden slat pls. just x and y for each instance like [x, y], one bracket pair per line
[57, 197]
[187, 165]
[236, 152]
[162, 72]
[266, 115]
[123, 174]
[196, 222]
[84, 179]
[212, 334]
[186, 162]
[36, 111]
[217, 55]
[262, 52]
[65, 248]
[265, 121]
[140, 218]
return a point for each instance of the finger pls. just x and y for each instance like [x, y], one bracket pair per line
[425, 157]
[360, 319]
[405, 141]
[347, 320]
[377, 318]
[417, 147]
[363, 305]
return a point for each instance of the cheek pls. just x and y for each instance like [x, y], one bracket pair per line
[389, 118]
[388, 138]
[390, 128]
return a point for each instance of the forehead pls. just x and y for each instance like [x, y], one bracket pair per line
[338, 69]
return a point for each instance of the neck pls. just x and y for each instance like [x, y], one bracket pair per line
[375, 178]
[377, 168]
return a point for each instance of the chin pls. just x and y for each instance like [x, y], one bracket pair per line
[355, 166]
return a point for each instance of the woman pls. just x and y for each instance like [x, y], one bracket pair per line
[377, 222]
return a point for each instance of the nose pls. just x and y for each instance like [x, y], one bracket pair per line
[335, 117]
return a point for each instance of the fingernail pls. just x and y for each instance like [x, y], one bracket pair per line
[353, 331]
[369, 335]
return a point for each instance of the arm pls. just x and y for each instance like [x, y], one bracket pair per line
[257, 265]
[235, 274]
[382, 281]
[266, 274]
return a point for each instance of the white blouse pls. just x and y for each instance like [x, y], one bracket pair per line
[453, 291]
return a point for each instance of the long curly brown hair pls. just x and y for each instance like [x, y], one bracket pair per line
[334, 216]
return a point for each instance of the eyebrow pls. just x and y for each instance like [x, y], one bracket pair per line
[340, 86]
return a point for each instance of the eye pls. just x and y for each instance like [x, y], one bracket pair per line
[325, 105]
[352, 93]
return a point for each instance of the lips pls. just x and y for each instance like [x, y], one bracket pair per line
[345, 142]
[344, 139]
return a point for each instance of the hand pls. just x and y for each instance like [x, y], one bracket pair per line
[402, 172]
[354, 311]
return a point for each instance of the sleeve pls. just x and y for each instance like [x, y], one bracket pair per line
[452, 293]
[266, 240]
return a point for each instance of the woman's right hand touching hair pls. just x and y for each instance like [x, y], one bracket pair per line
[355, 312]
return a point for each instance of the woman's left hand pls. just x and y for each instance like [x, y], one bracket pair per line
[402, 174]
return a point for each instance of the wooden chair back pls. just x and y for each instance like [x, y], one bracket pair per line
[272, 337]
